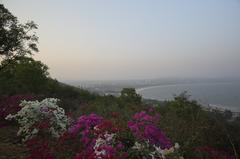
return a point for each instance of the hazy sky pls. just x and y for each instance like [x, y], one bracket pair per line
[135, 39]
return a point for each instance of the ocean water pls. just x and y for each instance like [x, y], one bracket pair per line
[222, 94]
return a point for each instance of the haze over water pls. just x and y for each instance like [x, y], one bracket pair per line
[219, 94]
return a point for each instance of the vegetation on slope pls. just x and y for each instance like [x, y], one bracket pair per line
[201, 134]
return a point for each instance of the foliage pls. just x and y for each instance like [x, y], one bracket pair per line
[23, 75]
[148, 151]
[129, 95]
[37, 117]
[184, 107]
[188, 123]
[209, 152]
[39, 149]
[144, 127]
[10, 105]
[143, 134]
[16, 39]
[71, 97]
[151, 141]
[108, 127]
[92, 136]
[100, 139]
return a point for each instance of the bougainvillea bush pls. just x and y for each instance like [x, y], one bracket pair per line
[49, 133]
[97, 137]
[151, 141]
[35, 117]
[10, 104]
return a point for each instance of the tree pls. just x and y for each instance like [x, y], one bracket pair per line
[129, 95]
[185, 107]
[16, 39]
[23, 75]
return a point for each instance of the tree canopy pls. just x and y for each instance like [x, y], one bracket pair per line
[16, 39]
[23, 75]
[129, 95]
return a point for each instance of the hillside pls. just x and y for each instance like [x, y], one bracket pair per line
[42, 118]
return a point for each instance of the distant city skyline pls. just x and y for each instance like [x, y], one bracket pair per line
[137, 39]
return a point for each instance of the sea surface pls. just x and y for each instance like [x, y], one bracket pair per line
[224, 95]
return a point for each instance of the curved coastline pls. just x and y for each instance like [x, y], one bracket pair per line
[177, 84]
[205, 105]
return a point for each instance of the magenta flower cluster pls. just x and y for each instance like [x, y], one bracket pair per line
[143, 126]
[85, 125]
[97, 136]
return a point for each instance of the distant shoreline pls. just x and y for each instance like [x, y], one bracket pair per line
[205, 105]
[166, 85]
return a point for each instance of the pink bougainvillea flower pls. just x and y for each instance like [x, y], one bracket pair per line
[143, 126]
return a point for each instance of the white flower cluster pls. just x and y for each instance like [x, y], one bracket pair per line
[139, 147]
[35, 112]
[107, 139]
[162, 153]
[158, 153]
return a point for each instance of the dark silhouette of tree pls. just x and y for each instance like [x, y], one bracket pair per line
[23, 75]
[129, 95]
[16, 39]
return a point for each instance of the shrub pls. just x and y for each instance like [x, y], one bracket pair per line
[151, 141]
[39, 149]
[209, 152]
[23, 75]
[129, 95]
[37, 118]
[10, 104]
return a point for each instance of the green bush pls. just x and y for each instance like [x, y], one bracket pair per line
[22, 75]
